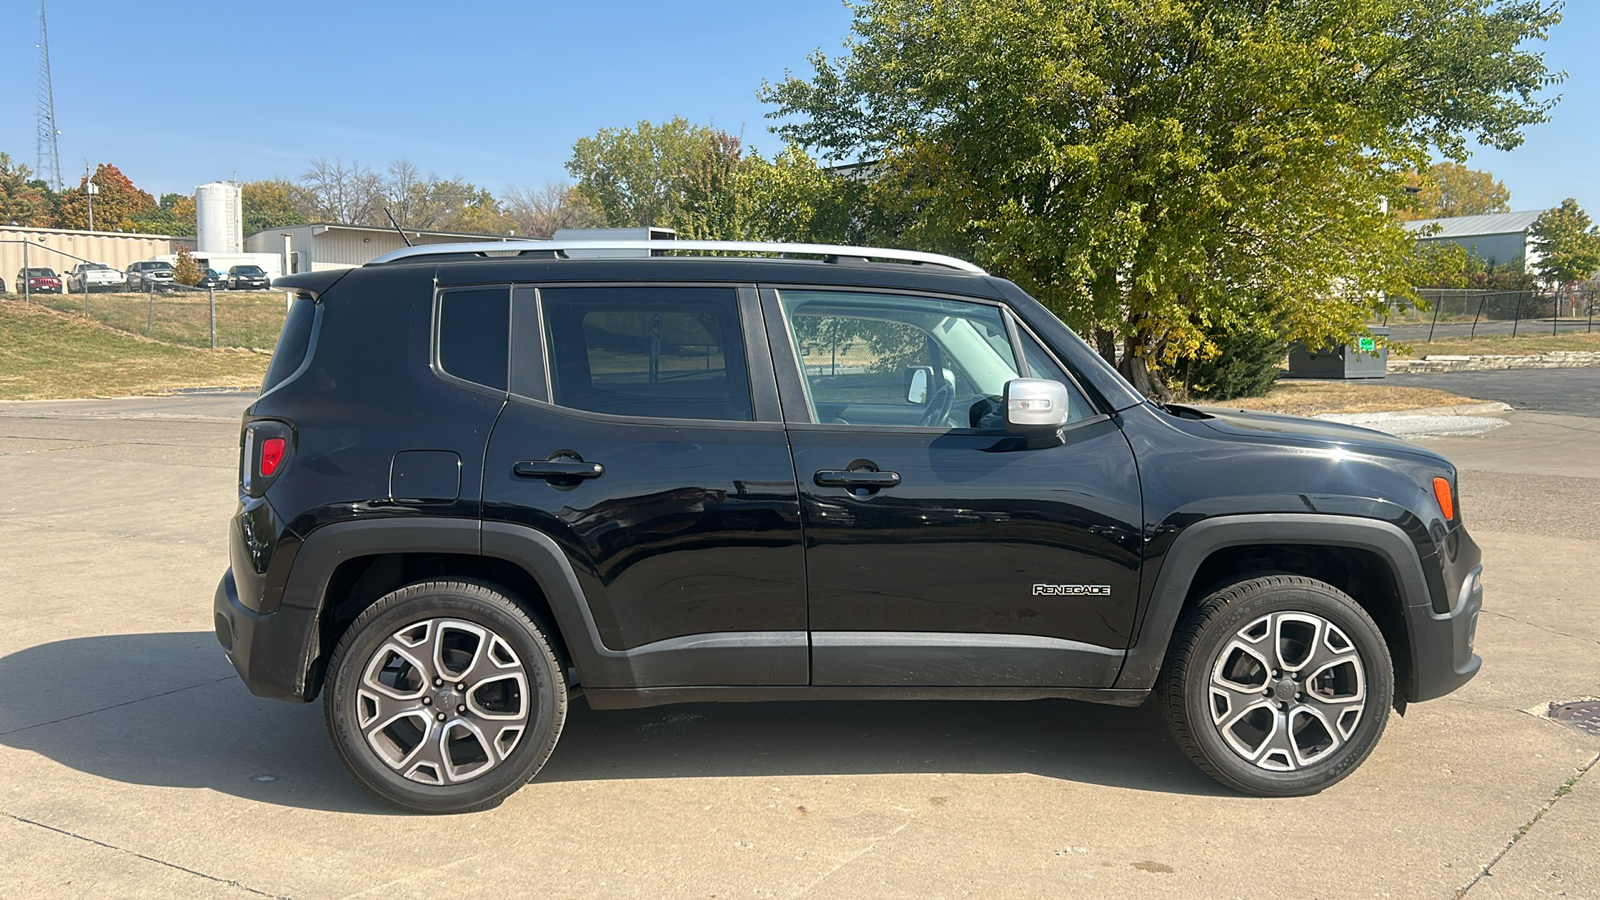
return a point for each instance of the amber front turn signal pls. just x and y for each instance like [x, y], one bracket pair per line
[1447, 503]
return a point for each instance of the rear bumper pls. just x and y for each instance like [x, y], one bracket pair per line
[1442, 657]
[268, 650]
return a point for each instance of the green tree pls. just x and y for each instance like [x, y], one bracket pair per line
[116, 205]
[634, 177]
[24, 200]
[272, 203]
[174, 214]
[1157, 170]
[1568, 244]
[1449, 189]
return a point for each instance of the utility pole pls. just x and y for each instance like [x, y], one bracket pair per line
[89, 190]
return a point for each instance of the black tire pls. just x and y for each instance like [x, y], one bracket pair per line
[1213, 659]
[444, 613]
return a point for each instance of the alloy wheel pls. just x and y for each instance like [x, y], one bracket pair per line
[1287, 690]
[443, 701]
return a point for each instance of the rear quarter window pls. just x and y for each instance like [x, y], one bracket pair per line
[294, 342]
[475, 335]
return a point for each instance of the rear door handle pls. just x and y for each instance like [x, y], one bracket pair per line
[560, 467]
[855, 478]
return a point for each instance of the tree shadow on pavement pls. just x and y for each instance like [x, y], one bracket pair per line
[167, 709]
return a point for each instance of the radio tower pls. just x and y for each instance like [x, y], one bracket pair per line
[48, 157]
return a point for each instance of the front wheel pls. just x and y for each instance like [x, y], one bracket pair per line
[444, 697]
[1278, 686]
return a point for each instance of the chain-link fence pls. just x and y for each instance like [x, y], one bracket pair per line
[206, 317]
[1450, 312]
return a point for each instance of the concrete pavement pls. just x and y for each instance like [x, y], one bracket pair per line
[133, 762]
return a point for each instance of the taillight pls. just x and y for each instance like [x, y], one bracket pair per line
[271, 455]
[266, 445]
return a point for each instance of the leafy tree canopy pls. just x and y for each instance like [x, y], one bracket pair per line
[1568, 244]
[116, 205]
[23, 199]
[1449, 189]
[272, 203]
[1154, 170]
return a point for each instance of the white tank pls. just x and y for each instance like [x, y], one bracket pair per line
[219, 218]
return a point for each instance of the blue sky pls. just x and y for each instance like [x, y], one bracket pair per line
[177, 93]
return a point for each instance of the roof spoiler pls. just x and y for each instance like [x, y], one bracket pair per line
[310, 284]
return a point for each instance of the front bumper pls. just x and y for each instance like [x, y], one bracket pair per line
[1442, 657]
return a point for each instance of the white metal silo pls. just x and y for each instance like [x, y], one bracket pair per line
[219, 218]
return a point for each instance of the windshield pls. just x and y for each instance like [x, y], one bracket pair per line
[156, 266]
[41, 273]
[249, 270]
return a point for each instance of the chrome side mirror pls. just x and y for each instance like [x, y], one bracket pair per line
[1035, 405]
[919, 380]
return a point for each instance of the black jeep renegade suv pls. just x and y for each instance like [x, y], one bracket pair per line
[476, 483]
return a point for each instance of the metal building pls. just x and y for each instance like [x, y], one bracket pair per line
[1500, 239]
[325, 245]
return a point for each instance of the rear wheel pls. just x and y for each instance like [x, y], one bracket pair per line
[444, 697]
[1277, 686]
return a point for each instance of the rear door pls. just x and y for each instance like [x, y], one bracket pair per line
[644, 436]
[940, 549]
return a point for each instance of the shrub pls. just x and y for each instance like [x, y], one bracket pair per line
[1246, 365]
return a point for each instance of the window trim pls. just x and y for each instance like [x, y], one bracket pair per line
[434, 361]
[764, 403]
[791, 377]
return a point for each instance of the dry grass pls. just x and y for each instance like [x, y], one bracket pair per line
[1504, 344]
[47, 355]
[1311, 398]
[247, 319]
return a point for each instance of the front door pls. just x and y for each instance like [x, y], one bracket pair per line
[653, 454]
[941, 551]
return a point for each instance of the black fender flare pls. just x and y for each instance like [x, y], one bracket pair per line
[1198, 541]
[727, 658]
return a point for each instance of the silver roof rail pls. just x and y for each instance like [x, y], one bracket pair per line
[490, 249]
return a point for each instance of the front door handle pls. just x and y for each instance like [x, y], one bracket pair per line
[856, 478]
[564, 468]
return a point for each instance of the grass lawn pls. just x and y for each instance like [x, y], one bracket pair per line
[246, 319]
[46, 355]
[1312, 398]
[1504, 344]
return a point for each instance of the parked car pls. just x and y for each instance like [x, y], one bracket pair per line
[150, 275]
[92, 276]
[211, 278]
[246, 278]
[2, 285]
[472, 485]
[39, 280]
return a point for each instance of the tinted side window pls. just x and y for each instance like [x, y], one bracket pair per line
[649, 351]
[293, 342]
[474, 334]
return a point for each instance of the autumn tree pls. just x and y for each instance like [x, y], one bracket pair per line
[116, 205]
[1448, 189]
[186, 271]
[273, 203]
[1154, 170]
[540, 212]
[174, 214]
[1568, 244]
[24, 200]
